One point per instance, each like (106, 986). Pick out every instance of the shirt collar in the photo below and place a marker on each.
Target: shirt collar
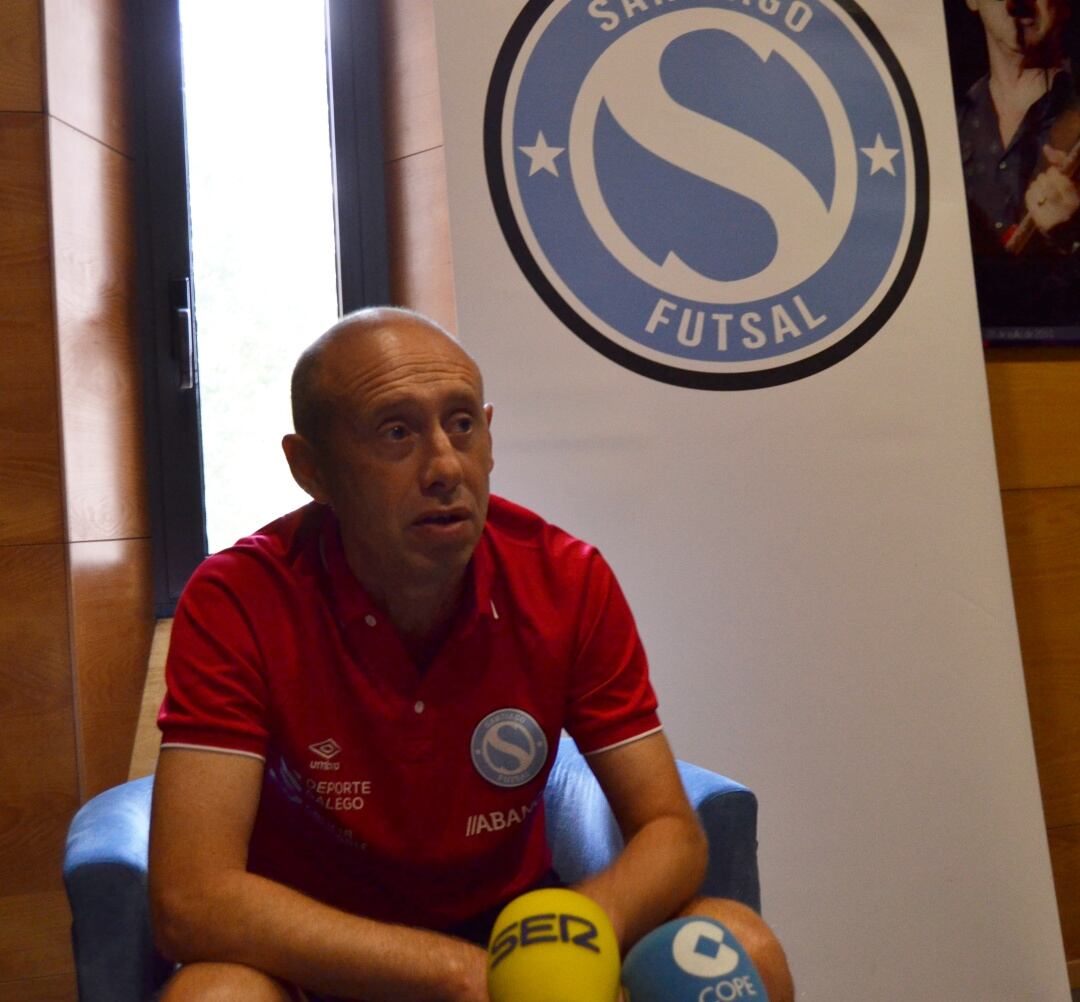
(350, 599)
(1061, 88)
(978, 92)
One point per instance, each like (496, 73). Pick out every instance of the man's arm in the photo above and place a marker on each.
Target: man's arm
(207, 907)
(663, 862)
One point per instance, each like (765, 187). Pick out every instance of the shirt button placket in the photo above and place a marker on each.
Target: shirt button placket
(419, 729)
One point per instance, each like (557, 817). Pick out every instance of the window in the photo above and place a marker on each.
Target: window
(259, 164)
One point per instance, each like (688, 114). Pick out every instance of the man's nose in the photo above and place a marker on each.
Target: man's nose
(442, 467)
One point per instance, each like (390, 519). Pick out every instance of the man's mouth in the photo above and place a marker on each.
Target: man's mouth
(448, 516)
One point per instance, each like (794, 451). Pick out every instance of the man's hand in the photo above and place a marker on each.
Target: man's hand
(473, 982)
(1052, 198)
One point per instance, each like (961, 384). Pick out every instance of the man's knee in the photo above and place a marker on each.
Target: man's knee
(225, 983)
(755, 937)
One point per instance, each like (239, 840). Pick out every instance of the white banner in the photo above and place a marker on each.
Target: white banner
(713, 260)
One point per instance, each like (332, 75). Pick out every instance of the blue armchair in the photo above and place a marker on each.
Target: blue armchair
(105, 864)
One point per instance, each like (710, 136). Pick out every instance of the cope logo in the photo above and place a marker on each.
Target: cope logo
(699, 949)
(721, 194)
(508, 747)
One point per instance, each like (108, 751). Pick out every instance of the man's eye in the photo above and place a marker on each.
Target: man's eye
(396, 432)
(463, 423)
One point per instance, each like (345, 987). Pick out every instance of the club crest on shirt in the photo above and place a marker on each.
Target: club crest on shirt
(508, 747)
(715, 194)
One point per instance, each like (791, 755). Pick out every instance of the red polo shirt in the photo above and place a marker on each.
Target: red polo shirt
(405, 796)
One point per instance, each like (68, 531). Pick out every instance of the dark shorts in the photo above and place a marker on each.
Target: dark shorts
(476, 929)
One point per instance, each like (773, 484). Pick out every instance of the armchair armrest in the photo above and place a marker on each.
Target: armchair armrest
(105, 876)
(728, 812)
(584, 837)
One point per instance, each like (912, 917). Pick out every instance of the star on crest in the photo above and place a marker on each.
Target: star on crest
(881, 156)
(542, 156)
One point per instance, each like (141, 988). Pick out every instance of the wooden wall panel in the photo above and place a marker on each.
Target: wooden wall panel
(30, 507)
(412, 116)
(35, 943)
(101, 402)
(1035, 403)
(57, 988)
(1043, 533)
(40, 789)
(86, 67)
(1065, 859)
(416, 204)
(85, 276)
(419, 228)
(39, 799)
(112, 612)
(20, 55)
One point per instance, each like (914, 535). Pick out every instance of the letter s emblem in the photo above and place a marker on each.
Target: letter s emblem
(638, 101)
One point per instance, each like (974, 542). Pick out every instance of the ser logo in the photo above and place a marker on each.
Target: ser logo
(546, 928)
(722, 194)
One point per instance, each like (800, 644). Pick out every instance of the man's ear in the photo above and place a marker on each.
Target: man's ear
(489, 412)
(972, 5)
(305, 467)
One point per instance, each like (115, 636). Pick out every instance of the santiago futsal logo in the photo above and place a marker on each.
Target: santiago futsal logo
(721, 194)
(508, 747)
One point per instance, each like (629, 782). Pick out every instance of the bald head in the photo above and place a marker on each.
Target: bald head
(318, 383)
(392, 432)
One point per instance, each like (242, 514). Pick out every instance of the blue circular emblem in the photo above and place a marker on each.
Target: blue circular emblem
(508, 747)
(713, 194)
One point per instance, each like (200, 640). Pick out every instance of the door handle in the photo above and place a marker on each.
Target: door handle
(183, 331)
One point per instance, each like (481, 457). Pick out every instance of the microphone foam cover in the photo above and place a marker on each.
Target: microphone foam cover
(691, 959)
(553, 945)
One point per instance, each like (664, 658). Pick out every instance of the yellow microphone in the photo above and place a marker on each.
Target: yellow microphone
(553, 945)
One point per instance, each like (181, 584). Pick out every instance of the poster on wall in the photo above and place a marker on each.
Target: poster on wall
(712, 257)
(1018, 114)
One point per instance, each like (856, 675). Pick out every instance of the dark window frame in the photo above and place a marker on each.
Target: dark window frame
(173, 451)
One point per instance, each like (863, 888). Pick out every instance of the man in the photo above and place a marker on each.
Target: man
(1017, 124)
(348, 687)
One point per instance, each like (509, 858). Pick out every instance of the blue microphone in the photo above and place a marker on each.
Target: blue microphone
(691, 959)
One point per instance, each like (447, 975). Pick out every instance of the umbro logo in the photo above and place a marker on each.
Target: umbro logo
(327, 750)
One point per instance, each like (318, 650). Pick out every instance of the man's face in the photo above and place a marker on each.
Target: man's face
(1038, 21)
(408, 454)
